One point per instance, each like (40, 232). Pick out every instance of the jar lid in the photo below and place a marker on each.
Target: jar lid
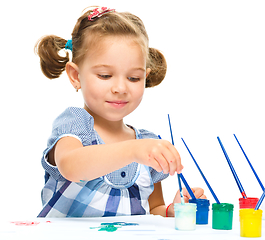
(187, 207)
(200, 202)
(223, 206)
(248, 202)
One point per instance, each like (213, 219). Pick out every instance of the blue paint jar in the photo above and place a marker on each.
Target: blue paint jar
(202, 212)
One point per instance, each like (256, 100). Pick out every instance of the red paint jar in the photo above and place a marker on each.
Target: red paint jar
(247, 202)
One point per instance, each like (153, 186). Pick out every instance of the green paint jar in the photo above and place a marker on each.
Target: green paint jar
(222, 216)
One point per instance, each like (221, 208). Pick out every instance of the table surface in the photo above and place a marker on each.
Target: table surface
(149, 227)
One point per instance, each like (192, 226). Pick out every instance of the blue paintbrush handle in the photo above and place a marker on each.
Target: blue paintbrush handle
(207, 183)
(241, 189)
(253, 170)
(170, 130)
(260, 201)
(187, 186)
(180, 190)
(180, 187)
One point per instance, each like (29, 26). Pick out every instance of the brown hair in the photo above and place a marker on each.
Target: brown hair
(86, 35)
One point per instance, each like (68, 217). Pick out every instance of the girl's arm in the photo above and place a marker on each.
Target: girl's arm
(156, 201)
(76, 162)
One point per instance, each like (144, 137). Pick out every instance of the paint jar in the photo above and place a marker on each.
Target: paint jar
(262, 207)
(248, 202)
(222, 216)
(185, 216)
(250, 222)
(202, 212)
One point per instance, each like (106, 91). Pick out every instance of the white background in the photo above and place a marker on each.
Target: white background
(214, 87)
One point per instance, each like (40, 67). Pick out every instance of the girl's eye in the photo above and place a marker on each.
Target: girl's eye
(133, 79)
(104, 76)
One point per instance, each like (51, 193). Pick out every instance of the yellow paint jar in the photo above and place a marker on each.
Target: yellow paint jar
(250, 222)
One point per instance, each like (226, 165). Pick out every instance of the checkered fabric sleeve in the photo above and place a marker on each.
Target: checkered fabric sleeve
(74, 122)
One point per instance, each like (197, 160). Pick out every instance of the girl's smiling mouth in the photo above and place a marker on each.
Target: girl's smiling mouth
(117, 104)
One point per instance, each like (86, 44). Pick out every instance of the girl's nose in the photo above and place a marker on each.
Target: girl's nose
(119, 86)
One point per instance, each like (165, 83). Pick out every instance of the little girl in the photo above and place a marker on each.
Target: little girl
(95, 165)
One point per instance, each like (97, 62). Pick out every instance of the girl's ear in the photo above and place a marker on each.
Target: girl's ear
(72, 71)
(148, 70)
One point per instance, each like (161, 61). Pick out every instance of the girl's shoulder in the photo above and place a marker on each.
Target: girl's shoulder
(147, 134)
(71, 114)
(76, 122)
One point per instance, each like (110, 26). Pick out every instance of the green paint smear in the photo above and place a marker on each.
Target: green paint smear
(108, 228)
(121, 224)
(112, 227)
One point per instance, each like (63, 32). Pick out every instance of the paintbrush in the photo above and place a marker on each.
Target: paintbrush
(180, 191)
(187, 186)
(260, 201)
(179, 181)
(204, 178)
(256, 175)
(241, 189)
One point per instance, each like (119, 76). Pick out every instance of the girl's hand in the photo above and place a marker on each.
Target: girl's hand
(158, 154)
(198, 192)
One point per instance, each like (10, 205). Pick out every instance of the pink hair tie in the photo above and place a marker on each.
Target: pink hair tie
(98, 12)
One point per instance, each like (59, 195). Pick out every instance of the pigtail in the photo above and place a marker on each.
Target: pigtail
(158, 65)
(52, 63)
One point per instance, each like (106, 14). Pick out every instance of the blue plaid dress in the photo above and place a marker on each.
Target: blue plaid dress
(122, 192)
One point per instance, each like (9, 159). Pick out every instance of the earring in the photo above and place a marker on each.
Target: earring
(76, 88)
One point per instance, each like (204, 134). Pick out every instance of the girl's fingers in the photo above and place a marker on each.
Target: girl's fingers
(198, 192)
(169, 163)
(177, 198)
(155, 164)
(161, 160)
(158, 155)
(172, 158)
(163, 156)
(176, 160)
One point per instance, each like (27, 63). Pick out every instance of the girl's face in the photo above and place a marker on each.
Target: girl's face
(112, 78)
